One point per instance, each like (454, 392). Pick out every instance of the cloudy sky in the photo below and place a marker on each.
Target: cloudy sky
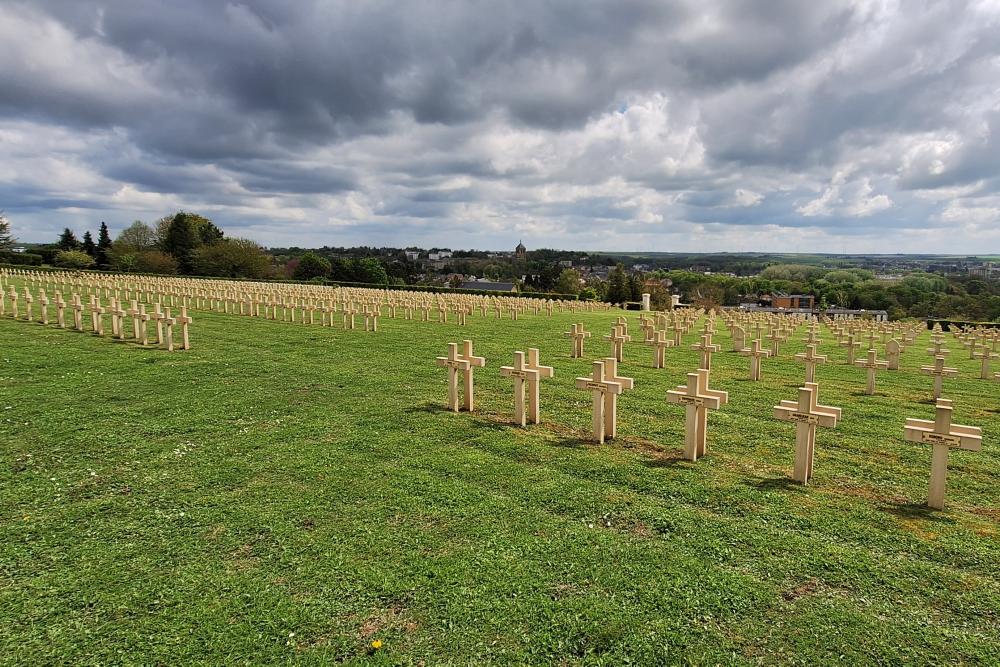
(696, 125)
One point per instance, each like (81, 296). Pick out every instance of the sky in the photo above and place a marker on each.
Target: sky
(701, 125)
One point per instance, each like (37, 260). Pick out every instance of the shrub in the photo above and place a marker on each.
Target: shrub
(74, 259)
(155, 261)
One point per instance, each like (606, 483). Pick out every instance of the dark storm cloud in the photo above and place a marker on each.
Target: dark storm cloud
(554, 116)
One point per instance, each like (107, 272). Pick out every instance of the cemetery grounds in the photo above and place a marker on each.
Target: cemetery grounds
(291, 493)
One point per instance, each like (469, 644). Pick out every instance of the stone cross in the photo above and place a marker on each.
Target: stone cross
(526, 374)
(938, 349)
(707, 348)
(454, 363)
(467, 379)
(534, 409)
(348, 316)
(371, 319)
(28, 305)
(60, 310)
(810, 359)
(13, 302)
(985, 355)
(97, 314)
(603, 391)
(618, 338)
(776, 340)
(77, 312)
(118, 318)
(939, 371)
(807, 415)
(892, 352)
(43, 303)
(577, 334)
(142, 333)
(755, 352)
(611, 373)
(184, 320)
(698, 399)
(678, 330)
(158, 317)
(872, 363)
(660, 343)
(133, 312)
(942, 435)
(168, 324)
(852, 347)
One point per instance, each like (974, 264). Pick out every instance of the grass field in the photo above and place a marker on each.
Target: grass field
(286, 493)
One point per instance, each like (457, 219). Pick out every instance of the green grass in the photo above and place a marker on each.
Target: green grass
(287, 493)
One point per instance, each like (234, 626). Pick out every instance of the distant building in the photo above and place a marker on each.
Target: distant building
(412, 255)
(488, 286)
(987, 271)
(520, 251)
(435, 256)
(19, 249)
(793, 301)
(566, 263)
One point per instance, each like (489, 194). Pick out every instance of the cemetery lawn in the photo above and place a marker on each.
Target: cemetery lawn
(289, 493)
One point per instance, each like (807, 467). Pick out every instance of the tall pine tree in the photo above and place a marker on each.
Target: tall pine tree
(103, 255)
(68, 240)
(88, 245)
(181, 240)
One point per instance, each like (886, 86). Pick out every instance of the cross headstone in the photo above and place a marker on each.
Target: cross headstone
(454, 362)
(601, 389)
(467, 379)
(577, 334)
(184, 320)
(698, 399)
(810, 359)
(707, 348)
(942, 435)
(660, 343)
(872, 364)
(168, 325)
(755, 352)
(611, 411)
(807, 415)
(985, 356)
(939, 371)
(852, 347)
(43, 303)
(618, 338)
(534, 407)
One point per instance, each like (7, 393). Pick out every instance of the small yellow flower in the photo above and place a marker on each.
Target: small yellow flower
(377, 644)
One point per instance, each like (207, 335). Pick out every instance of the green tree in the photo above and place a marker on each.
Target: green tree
(137, 236)
(103, 256)
(6, 237)
(618, 290)
(74, 259)
(370, 270)
(181, 240)
(68, 240)
(311, 266)
(232, 258)
(88, 245)
(568, 282)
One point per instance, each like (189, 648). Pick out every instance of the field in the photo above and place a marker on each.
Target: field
(287, 493)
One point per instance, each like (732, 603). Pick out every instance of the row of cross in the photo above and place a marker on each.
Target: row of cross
(116, 309)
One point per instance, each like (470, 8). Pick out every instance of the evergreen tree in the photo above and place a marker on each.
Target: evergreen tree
(6, 238)
(68, 240)
(181, 241)
(103, 247)
(618, 288)
(88, 245)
